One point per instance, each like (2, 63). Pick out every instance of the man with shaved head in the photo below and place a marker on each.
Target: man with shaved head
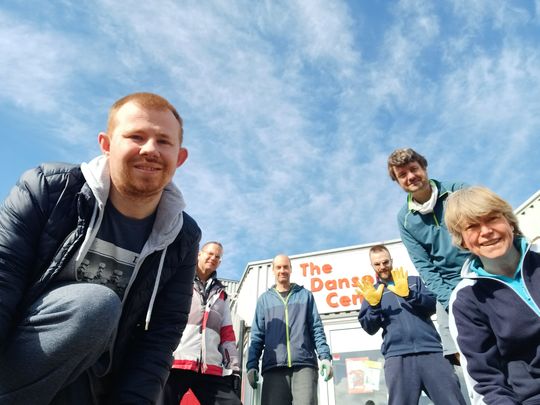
(288, 328)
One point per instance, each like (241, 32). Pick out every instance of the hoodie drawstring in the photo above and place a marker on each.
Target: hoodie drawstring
(154, 292)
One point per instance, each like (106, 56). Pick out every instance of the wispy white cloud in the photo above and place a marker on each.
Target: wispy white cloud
(291, 108)
(35, 65)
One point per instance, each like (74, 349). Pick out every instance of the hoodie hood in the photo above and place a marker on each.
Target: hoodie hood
(169, 218)
(97, 176)
(294, 287)
(167, 225)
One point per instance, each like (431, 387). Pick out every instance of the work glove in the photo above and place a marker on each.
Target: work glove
(401, 282)
(371, 295)
(253, 378)
(326, 369)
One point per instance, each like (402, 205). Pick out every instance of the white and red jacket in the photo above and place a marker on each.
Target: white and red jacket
(208, 344)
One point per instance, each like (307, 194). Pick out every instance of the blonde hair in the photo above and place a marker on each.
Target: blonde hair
(468, 205)
(401, 157)
(150, 101)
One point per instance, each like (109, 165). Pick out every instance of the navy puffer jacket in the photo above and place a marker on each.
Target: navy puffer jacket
(42, 224)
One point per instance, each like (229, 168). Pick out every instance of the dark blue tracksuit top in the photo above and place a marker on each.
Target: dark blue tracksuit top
(406, 322)
(497, 331)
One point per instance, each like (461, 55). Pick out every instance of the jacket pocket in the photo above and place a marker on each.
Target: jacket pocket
(524, 380)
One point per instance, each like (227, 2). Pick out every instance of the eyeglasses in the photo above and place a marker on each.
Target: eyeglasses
(384, 263)
(212, 255)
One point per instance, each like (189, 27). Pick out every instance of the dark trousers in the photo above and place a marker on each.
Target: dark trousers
(290, 386)
(406, 377)
(209, 389)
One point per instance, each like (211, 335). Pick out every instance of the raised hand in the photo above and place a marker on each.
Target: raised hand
(401, 282)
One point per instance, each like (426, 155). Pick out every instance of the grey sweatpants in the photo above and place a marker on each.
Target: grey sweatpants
(449, 347)
(62, 335)
(290, 386)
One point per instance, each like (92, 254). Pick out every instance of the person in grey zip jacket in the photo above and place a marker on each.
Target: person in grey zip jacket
(287, 326)
(85, 317)
(495, 309)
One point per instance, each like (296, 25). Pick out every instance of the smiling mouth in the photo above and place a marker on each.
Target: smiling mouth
(147, 168)
(491, 242)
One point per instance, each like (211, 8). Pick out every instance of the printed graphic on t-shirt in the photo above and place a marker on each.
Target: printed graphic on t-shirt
(108, 265)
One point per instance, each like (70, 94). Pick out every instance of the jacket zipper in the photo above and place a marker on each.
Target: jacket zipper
(285, 302)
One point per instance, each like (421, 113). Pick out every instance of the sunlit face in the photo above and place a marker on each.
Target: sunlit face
(209, 258)
(382, 264)
(489, 237)
(144, 150)
(282, 269)
(412, 177)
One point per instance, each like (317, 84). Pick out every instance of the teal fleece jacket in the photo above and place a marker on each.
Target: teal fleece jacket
(430, 245)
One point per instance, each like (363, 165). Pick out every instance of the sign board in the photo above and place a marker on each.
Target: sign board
(332, 277)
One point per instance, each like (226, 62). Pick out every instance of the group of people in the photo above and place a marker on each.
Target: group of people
(106, 298)
(467, 247)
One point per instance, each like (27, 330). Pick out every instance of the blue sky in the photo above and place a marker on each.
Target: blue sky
(291, 108)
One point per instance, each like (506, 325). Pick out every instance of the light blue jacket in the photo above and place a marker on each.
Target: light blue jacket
(289, 330)
(430, 245)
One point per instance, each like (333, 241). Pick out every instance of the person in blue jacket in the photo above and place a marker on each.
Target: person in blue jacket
(401, 306)
(495, 309)
(424, 233)
(287, 326)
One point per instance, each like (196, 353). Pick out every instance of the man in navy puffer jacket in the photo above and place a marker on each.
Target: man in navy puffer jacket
(96, 267)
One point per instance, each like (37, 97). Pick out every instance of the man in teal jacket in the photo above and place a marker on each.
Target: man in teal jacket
(287, 326)
(424, 233)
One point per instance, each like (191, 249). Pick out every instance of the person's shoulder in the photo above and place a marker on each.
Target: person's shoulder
(463, 295)
(51, 170)
(449, 186)
(190, 225)
(300, 289)
(52, 178)
(403, 210)
(262, 300)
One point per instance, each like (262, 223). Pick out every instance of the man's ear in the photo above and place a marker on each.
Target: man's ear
(182, 156)
(104, 143)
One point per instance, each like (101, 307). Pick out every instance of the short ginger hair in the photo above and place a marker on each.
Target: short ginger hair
(149, 101)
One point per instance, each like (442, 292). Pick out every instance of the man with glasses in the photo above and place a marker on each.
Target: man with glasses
(207, 358)
(402, 306)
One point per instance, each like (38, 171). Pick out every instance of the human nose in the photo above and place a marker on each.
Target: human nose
(410, 175)
(485, 229)
(149, 147)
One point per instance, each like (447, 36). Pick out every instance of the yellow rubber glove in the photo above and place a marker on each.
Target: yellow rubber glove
(371, 295)
(401, 282)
